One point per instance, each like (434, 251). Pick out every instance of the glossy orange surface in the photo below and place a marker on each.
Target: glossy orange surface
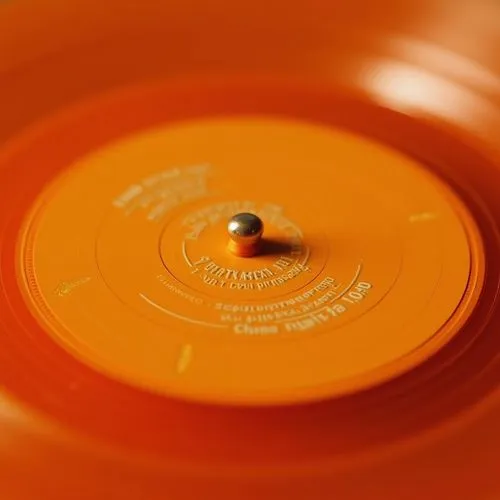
(373, 269)
(385, 86)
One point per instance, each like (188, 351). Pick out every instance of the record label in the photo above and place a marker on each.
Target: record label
(367, 267)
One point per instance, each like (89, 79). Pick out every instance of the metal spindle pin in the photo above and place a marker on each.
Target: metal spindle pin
(245, 233)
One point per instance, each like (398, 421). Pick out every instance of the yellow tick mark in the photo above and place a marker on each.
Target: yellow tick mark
(185, 358)
(422, 217)
(66, 287)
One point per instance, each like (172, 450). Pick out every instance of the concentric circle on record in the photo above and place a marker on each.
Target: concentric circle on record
(370, 266)
(372, 283)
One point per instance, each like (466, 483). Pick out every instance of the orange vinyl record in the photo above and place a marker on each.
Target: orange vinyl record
(249, 250)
